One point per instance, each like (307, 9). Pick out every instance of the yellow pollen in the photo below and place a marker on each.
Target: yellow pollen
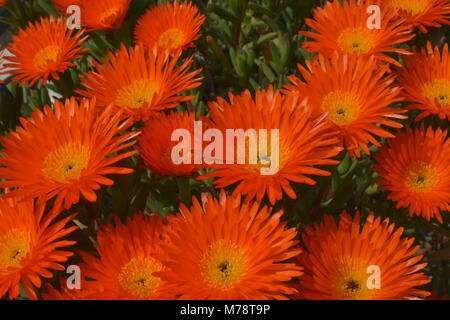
(109, 16)
(45, 56)
(350, 279)
(137, 278)
(172, 38)
(356, 40)
(136, 94)
(342, 107)
(421, 177)
(14, 247)
(438, 90)
(223, 264)
(412, 7)
(66, 163)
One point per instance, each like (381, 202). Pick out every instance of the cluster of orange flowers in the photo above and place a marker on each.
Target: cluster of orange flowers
(227, 248)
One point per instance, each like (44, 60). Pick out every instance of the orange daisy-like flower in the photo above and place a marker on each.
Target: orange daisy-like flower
(62, 152)
(103, 14)
(350, 33)
(355, 93)
(350, 262)
(170, 26)
(29, 246)
(44, 49)
(415, 168)
(157, 145)
(140, 81)
(422, 13)
(292, 141)
(228, 250)
(425, 79)
(128, 273)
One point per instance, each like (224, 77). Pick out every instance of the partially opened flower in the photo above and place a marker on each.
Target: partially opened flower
(140, 81)
(128, 273)
(415, 168)
(422, 13)
(425, 79)
(355, 93)
(156, 144)
(278, 142)
(345, 261)
(170, 26)
(43, 50)
(229, 250)
(103, 14)
(64, 152)
(30, 246)
(350, 33)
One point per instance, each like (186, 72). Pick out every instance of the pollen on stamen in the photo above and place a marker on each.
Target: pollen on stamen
(136, 94)
(356, 40)
(14, 247)
(421, 177)
(342, 107)
(172, 38)
(45, 56)
(223, 264)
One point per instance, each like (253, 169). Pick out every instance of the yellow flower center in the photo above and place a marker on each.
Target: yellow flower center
(350, 280)
(45, 56)
(172, 38)
(412, 7)
(356, 40)
(109, 16)
(342, 107)
(66, 163)
(14, 247)
(421, 177)
(137, 278)
(223, 264)
(438, 90)
(137, 94)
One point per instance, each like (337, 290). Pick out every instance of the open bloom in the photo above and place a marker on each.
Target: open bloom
(62, 152)
(140, 81)
(350, 262)
(415, 168)
(280, 134)
(354, 93)
(30, 246)
(42, 50)
(421, 13)
(229, 250)
(425, 79)
(350, 33)
(156, 145)
(170, 26)
(128, 273)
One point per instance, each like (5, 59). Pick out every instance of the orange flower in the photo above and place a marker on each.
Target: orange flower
(156, 143)
(3, 2)
(355, 94)
(140, 81)
(350, 262)
(350, 33)
(103, 14)
(170, 26)
(422, 13)
(425, 79)
(67, 294)
(62, 152)
(415, 168)
(29, 246)
(42, 50)
(128, 273)
(303, 141)
(228, 250)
